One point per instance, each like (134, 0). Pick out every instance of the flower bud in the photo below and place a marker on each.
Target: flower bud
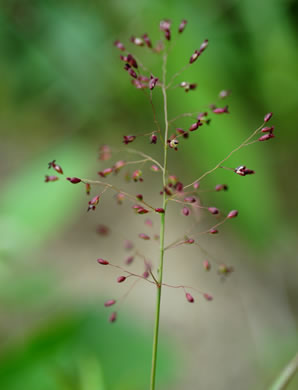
(141, 210)
(243, 171)
(196, 185)
(113, 317)
(268, 117)
(189, 241)
(194, 126)
(102, 262)
(213, 210)
(146, 274)
(265, 137)
(213, 231)
(189, 297)
(182, 26)
(232, 214)
(74, 180)
(160, 210)
(206, 265)
(139, 196)
(119, 45)
(110, 302)
(50, 178)
(121, 279)
(103, 230)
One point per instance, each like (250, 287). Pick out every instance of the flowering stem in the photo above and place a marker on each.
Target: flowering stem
(162, 234)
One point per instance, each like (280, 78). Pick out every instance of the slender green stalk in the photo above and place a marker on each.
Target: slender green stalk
(162, 235)
(286, 375)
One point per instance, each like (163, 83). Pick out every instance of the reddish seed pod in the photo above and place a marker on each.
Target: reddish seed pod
(190, 199)
(149, 222)
(153, 139)
(196, 185)
(223, 94)
(121, 279)
(221, 187)
(185, 211)
(268, 117)
(144, 236)
(267, 129)
(132, 73)
(58, 169)
(160, 210)
(118, 165)
(103, 230)
(232, 214)
(194, 126)
(213, 231)
(152, 82)
(88, 188)
(189, 297)
(50, 178)
(155, 168)
(213, 210)
(74, 180)
(119, 45)
(194, 57)
(137, 175)
(204, 45)
(190, 241)
(128, 139)
(132, 61)
(243, 171)
(110, 302)
(223, 110)
(147, 40)
(129, 260)
(265, 137)
(141, 210)
(208, 297)
(206, 265)
(146, 274)
(139, 197)
(105, 172)
(113, 317)
(182, 26)
(137, 41)
(102, 262)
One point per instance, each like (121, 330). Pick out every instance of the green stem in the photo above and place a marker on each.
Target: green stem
(286, 375)
(162, 235)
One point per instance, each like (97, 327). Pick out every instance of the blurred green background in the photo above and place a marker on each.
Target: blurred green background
(64, 93)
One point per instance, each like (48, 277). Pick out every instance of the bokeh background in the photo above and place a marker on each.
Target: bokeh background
(63, 94)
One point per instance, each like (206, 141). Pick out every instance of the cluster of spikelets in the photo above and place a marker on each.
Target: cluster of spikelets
(186, 195)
